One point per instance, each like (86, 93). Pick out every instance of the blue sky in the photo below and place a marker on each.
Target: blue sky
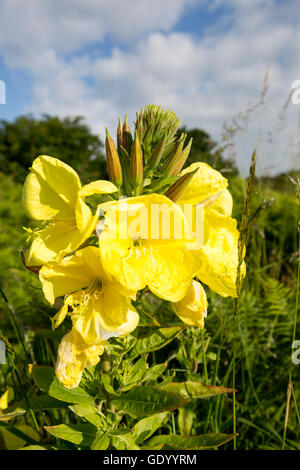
(206, 60)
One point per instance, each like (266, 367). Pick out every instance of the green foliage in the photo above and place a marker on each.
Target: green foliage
(68, 139)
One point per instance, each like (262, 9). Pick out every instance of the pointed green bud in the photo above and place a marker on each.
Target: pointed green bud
(157, 154)
(176, 189)
(136, 162)
(127, 138)
(182, 159)
(148, 135)
(172, 161)
(120, 135)
(113, 162)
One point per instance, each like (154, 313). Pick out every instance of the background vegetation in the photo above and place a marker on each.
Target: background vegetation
(261, 335)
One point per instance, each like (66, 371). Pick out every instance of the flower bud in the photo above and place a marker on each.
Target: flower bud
(172, 162)
(136, 162)
(120, 135)
(174, 192)
(192, 309)
(113, 162)
(127, 138)
(182, 159)
(157, 154)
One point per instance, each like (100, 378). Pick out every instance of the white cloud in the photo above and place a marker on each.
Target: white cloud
(204, 79)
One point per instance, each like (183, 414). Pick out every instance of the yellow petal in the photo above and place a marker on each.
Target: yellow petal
(98, 187)
(73, 356)
(168, 273)
(50, 189)
(218, 258)
(192, 308)
(205, 183)
(138, 241)
(4, 401)
(55, 241)
(71, 274)
(84, 216)
(103, 315)
(123, 261)
(68, 368)
(221, 204)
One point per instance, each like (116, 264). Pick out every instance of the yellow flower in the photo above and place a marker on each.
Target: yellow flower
(74, 355)
(141, 248)
(53, 194)
(99, 307)
(192, 309)
(218, 257)
(4, 400)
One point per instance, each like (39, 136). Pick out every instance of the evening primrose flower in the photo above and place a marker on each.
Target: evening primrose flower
(74, 355)
(192, 309)
(218, 257)
(53, 194)
(99, 307)
(143, 243)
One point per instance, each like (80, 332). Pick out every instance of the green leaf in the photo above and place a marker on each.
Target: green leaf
(143, 401)
(42, 402)
(79, 434)
(44, 378)
(101, 442)
(186, 418)
(147, 426)
(88, 412)
(106, 381)
(155, 340)
(17, 436)
(124, 442)
(133, 374)
(204, 441)
(191, 389)
(12, 414)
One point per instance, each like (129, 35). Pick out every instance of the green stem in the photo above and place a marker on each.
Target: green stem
(290, 381)
(204, 357)
(15, 325)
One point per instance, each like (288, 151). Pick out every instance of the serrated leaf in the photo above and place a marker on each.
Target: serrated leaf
(124, 442)
(147, 426)
(79, 434)
(155, 340)
(143, 401)
(204, 441)
(194, 390)
(44, 378)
